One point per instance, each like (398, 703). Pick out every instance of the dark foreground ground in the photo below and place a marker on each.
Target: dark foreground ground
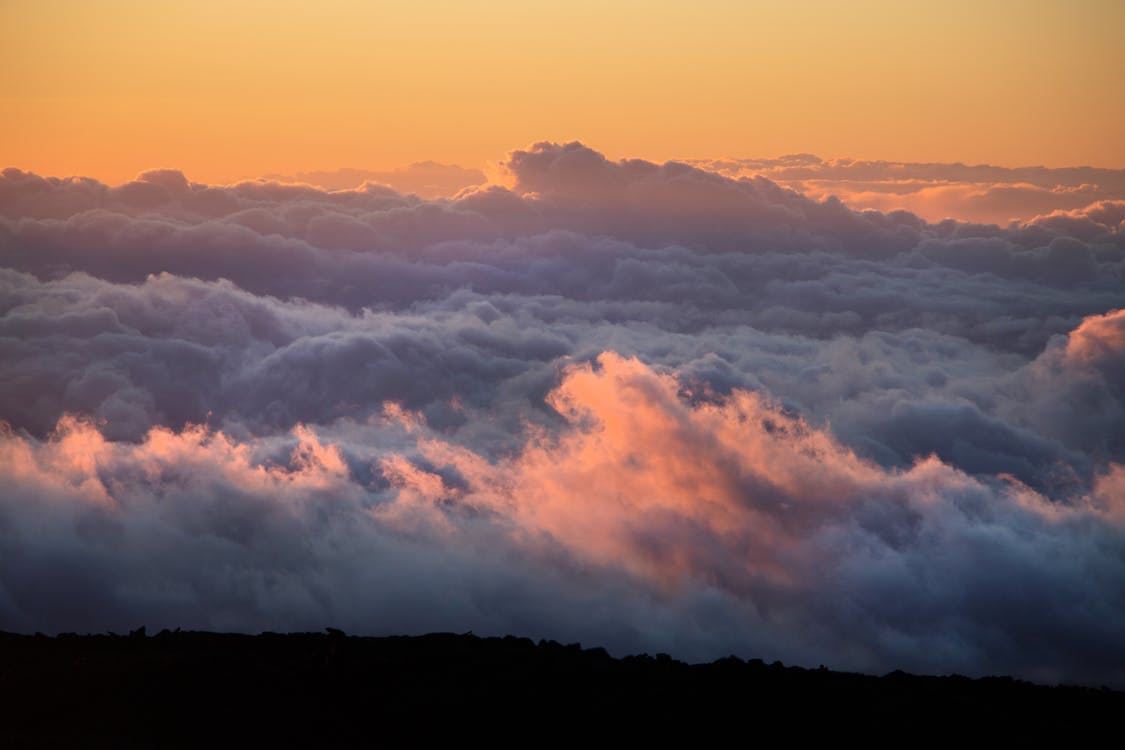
(190, 689)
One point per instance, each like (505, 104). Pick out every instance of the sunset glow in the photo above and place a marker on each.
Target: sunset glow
(231, 90)
(785, 330)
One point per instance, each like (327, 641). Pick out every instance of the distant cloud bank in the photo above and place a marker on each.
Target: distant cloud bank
(426, 179)
(933, 191)
(676, 407)
(977, 193)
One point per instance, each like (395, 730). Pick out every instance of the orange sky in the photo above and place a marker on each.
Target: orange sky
(232, 89)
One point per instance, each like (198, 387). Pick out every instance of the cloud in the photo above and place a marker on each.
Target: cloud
(977, 193)
(649, 492)
(425, 179)
(645, 405)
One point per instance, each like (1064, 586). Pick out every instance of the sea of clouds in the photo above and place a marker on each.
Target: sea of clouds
(653, 407)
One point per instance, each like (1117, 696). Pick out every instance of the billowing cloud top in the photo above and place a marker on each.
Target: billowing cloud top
(645, 405)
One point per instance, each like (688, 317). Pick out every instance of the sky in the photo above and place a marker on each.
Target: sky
(790, 334)
(227, 90)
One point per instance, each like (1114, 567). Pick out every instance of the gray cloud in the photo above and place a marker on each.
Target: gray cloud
(286, 317)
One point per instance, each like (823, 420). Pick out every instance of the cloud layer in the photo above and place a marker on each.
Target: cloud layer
(426, 179)
(644, 405)
(979, 193)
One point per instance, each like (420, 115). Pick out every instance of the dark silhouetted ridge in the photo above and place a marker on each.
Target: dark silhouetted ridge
(208, 689)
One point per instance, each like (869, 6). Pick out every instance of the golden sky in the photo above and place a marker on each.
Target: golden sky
(228, 89)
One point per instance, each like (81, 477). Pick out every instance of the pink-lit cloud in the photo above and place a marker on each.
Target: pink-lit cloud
(652, 406)
(651, 491)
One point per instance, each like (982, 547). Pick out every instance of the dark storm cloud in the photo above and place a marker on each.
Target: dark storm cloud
(716, 413)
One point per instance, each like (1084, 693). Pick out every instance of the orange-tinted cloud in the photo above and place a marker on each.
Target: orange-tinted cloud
(425, 179)
(934, 191)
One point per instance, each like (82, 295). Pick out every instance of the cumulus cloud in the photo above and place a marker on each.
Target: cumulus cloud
(705, 508)
(653, 406)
